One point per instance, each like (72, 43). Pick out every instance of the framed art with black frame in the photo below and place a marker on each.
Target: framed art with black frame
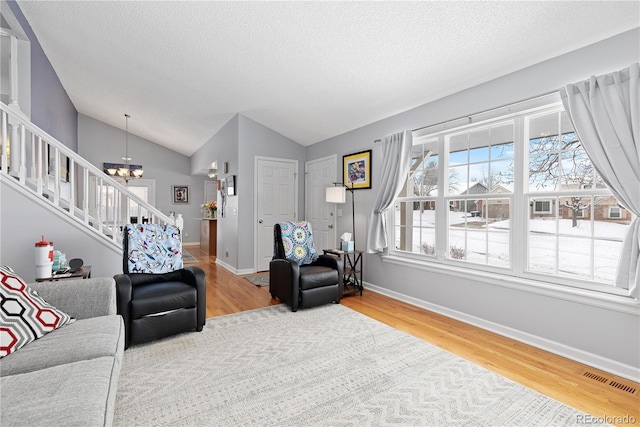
(356, 170)
(180, 194)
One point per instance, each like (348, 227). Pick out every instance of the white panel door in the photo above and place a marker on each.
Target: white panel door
(320, 174)
(275, 202)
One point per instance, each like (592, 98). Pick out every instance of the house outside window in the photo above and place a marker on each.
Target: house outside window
(542, 207)
(514, 195)
(615, 212)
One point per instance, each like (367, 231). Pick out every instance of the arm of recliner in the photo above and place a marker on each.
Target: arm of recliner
(284, 281)
(330, 261)
(196, 277)
(123, 298)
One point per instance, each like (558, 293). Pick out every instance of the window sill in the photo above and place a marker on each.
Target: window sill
(617, 303)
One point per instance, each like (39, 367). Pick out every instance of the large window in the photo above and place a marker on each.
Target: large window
(516, 195)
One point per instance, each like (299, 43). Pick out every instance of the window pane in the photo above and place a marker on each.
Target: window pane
(415, 226)
(425, 182)
(543, 231)
(542, 252)
(479, 141)
(501, 177)
(574, 257)
(541, 178)
(458, 179)
(502, 141)
(404, 224)
(606, 257)
(478, 179)
(458, 146)
(498, 233)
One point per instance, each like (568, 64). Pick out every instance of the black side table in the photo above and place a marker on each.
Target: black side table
(83, 272)
(352, 275)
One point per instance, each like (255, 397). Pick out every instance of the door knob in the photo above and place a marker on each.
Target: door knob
(330, 225)
(260, 221)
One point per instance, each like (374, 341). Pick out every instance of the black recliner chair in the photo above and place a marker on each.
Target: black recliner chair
(157, 305)
(303, 285)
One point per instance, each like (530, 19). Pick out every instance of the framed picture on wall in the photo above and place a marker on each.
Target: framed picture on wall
(356, 170)
(180, 194)
(231, 185)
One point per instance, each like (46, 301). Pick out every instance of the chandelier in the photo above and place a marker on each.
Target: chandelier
(125, 170)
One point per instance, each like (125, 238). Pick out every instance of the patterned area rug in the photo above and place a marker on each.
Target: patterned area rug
(323, 366)
(261, 279)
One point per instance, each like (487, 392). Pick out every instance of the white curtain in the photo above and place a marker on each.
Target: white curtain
(605, 112)
(396, 156)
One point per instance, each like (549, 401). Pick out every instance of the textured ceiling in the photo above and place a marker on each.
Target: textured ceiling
(308, 70)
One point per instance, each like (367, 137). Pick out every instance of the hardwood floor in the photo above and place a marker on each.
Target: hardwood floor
(612, 399)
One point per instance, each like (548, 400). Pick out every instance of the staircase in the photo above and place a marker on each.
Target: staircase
(48, 172)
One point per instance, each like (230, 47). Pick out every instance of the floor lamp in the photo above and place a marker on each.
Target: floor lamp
(338, 194)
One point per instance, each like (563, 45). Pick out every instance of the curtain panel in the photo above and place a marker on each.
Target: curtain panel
(396, 156)
(605, 112)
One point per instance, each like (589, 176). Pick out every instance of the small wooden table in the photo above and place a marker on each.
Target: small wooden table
(83, 272)
(352, 275)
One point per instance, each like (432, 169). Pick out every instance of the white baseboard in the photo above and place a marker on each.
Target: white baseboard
(590, 359)
(233, 269)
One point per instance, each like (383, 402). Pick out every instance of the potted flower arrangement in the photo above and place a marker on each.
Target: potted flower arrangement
(211, 208)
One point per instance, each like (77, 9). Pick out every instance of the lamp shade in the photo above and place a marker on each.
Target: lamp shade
(336, 195)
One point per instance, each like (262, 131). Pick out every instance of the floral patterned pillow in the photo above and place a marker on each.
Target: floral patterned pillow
(297, 239)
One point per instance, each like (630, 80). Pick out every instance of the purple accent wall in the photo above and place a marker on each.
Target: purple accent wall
(51, 107)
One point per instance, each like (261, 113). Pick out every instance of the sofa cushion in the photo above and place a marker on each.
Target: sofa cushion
(85, 339)
(24, 315)
(73, 394)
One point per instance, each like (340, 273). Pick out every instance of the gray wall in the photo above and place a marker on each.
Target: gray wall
(223, 147)
(601, 335)
(258, 140)
(51, 107)
(238, 143)
(99, 142)
(24, 221)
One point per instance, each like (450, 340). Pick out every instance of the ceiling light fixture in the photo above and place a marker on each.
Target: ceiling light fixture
(125, 171)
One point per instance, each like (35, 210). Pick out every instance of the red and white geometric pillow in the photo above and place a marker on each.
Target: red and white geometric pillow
(24, 315)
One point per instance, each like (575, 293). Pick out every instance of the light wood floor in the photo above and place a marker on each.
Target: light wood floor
(590, 390)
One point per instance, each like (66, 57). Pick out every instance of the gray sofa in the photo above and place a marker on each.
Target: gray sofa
(69, 376)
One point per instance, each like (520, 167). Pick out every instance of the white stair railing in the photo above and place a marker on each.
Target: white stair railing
(34, 161)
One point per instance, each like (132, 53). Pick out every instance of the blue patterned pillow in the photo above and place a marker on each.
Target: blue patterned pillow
(297, 240)
(153, 248)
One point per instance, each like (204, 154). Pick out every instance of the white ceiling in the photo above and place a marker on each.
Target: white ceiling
(308, 70)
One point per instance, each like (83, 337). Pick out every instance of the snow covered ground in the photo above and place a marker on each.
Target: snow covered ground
(588, 251)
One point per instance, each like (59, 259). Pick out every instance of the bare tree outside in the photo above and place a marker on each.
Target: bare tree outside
(560, 163)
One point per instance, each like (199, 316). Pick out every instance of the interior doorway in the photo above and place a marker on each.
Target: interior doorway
(276, 199)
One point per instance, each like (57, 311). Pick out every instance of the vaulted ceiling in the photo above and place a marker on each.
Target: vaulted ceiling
(308, 70)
